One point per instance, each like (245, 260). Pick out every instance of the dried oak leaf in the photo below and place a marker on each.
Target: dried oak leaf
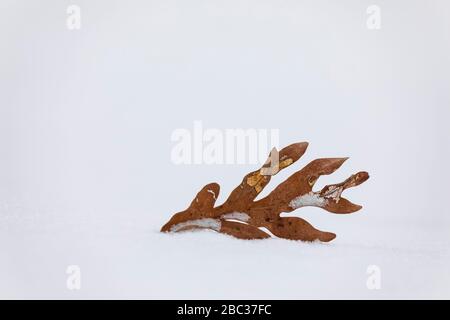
(242, 217)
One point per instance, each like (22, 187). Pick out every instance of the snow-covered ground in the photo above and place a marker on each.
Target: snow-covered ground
(126, 257)
(88, 116)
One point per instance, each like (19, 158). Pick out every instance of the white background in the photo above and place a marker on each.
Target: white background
(85, 124)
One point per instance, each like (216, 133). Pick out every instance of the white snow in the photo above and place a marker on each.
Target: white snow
(213, 224)
(240, 216)
(86, 125)
(308, 199)
(125, 256)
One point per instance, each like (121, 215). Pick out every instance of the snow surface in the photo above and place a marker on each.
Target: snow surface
(126, 257)
(87, 116)
(309, 199)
